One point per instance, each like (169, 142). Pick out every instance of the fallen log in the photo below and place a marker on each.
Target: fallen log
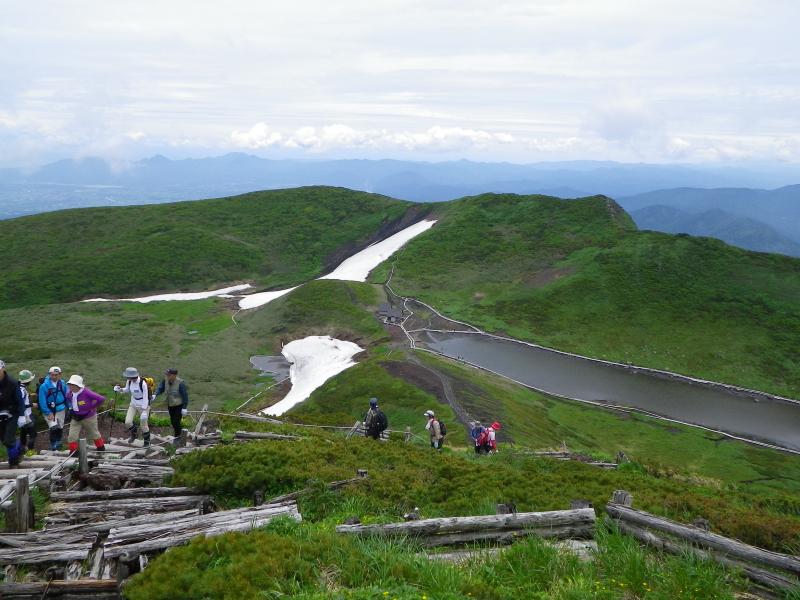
(508, 522)
(258, 419)
(80, 512)
(257, 435)
(334, 485)
(732, 548)
(37, 555)
(92, 495)
(660, 542)
(94, 589)
(104, 527)
(565, 532)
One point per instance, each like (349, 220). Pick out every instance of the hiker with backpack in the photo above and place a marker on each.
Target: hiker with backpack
(436, 429)
(177, 398)
(487, 441)
(11, 415)
(84, 404)
(53, 404)
(139, 389)
(27, 431)
(375, 422)
(475, 432)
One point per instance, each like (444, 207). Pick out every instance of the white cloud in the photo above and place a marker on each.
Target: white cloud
(258, 136)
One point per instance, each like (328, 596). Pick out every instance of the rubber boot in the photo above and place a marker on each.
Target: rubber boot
(100, 445)
(132, 430)
(72, 447)
(13, 455)
(146, 438)
(53, 438)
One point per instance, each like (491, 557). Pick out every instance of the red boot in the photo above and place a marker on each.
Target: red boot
(99, 444)
(73, 447)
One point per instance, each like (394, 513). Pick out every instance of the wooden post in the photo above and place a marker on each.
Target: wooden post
(83, 457)
(622, 497)
(408, 434)
(506, 509)
(23, 505)
(258, 497)
(580, 504)
(362, 473)
(201, 419)
(183, 439)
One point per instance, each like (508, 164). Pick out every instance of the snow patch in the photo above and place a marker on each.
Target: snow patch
(176, 296)
(262, 298)
(358, 266)
(314, 360)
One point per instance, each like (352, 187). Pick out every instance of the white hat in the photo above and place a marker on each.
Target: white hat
(76, 380)
(2, 365)
(429, 413)
(55, 370)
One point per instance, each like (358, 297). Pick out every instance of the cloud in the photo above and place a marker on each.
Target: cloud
(338, 137)
(258, 136)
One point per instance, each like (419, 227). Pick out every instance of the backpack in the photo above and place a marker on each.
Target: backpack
(381, 421)
(442, 428)
(151, 386)
(476, 432)
(483, 438)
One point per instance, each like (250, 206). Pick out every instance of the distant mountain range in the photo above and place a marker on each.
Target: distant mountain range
(706, 200)
(735, 230)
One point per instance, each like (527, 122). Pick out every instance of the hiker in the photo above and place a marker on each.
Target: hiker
(475, 432)
(435, 430)
(137, 387)
(487, 441)
(177, 398)
(375, 422)
(53, 404)
(27, 432)
(84, 403)
(11, 412)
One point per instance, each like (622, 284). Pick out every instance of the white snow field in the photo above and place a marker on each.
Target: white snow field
(358, 266)
(314, 359)
(262, 298)
(355, 268)
(177, 296)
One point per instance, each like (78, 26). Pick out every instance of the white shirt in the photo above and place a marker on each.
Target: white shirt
(138, 391)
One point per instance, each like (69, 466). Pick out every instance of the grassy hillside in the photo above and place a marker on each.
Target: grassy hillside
(577, 276)
(309, 560)
(274, 238)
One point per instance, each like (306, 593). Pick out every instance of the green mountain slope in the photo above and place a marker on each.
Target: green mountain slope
(275, 238)
(578, 276)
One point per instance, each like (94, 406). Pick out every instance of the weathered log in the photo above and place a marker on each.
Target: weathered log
(563, 532)
(201, 420)
(83, 457)
(92, 495)
(137, 462)
(622, 498)
(603, 465)
(94, 589)
(334, 485)
(74, 570)
(39, 555)
(258, 419)
(258, 435)
(104, 481)
(78, 512)
(732, 548)
(461, 556)
(97, 564)
(190, 449)
(509, 522)
(208, 439)
(256, 517)
(661, 542)
(6, 491)
(102, 527)
(12, 474)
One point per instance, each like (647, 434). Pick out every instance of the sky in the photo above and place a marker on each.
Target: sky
(667, 81)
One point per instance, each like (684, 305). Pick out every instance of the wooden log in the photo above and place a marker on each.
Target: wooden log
(201, 419)
(622, 498)
(6, 491)
(713, 541)
(104, 481)
(661, 542)
(483, 523)
(81, 512)
(74, 570)
(181, 441)
(461, 556)
(208, 439)
(103, 527)
(10, 574)
(261, 435)
(100, 589)
(23, 505)
(334, 485)
(12, 474)
(97, 564)
(136, 462)
(93, 495)
(603, 465)
(83, 457)
(563, 532)
(117, 547)
(353, 429)
(190, 449)
(39, 555)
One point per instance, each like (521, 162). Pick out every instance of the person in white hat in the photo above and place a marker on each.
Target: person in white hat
(435, 430)
(53, 403)
(137, 387)
(27, 431)
(84, 403)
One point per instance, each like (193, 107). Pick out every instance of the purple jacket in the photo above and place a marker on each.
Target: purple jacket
(87, 401)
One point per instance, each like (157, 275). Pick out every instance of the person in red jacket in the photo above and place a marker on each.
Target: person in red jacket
(84, 403)
(487, 440)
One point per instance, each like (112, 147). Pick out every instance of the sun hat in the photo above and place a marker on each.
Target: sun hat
(54, 370)
(76, 380)
(26, 376)
(171, 371)
(373, 402)
(130, 372)
(496, 426)
(429, 413)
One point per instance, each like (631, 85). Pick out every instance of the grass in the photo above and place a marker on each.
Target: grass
(308, 560)
(275, 238)
(577, 276)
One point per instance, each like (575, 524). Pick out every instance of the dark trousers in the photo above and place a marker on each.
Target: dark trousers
(27, 435)
(175, 418)
(8, 431)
